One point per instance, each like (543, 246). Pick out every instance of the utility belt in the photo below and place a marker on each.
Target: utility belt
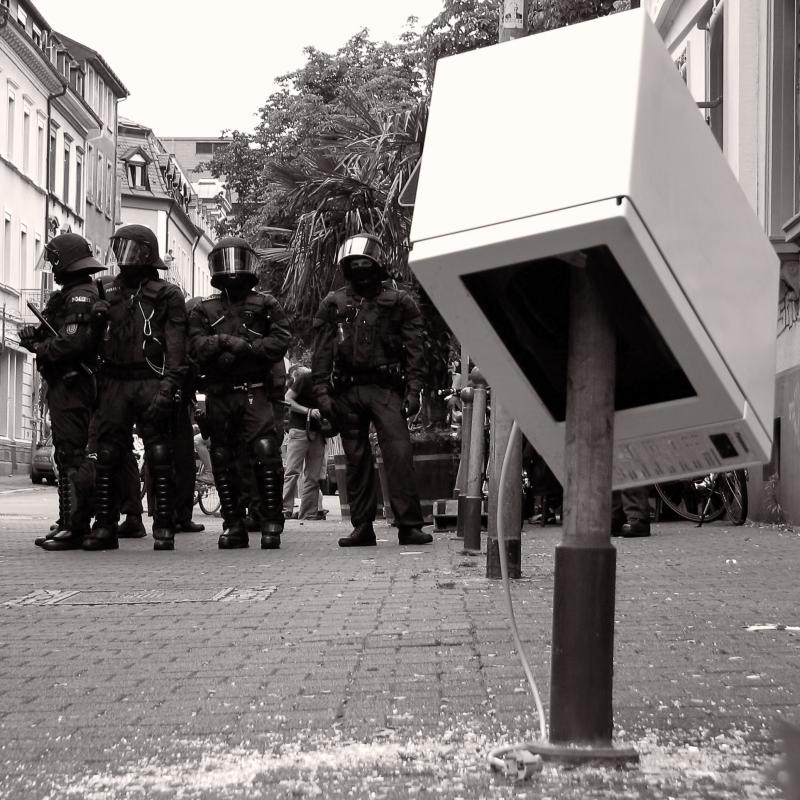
(128, 372)
(390, 376)
(221, 388)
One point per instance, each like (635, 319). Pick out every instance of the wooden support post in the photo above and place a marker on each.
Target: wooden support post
(585, 564)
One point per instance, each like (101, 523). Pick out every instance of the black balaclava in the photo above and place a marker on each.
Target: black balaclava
(132, 275)
(235, 287)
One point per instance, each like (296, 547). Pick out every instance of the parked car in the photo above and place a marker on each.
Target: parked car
(43, 464)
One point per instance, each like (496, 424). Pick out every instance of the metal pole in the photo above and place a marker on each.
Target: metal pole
(500, 432)
(473, 496)
(585, 564)
(513, 25)
(467, 396)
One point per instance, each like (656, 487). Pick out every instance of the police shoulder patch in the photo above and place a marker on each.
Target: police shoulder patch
(71, 329)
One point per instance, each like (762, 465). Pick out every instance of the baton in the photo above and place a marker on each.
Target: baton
(49, 327)
(38, 315)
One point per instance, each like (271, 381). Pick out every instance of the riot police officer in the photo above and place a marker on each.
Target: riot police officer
(367, 367)
(144, 367)
(65, 355)
(236, 336)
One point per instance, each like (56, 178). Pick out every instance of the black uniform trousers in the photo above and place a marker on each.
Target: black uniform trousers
(70, 404)
(123, 404)
(236, 419)
(185, 469)
(127, 481)
(356, 408)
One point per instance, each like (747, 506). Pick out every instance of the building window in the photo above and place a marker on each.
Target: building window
(67, 157)
(26, 140)
(10, 127)
(22, 15)
(137, 172)
(22, 275)
(79, 182)
(90, 86)
(36, 35)
(51, 161)
(109, 110)
(99, 195)
(76, 79)
(39, 152)
(108, 188)
(203, 148)
(90, 174)
(6, 273)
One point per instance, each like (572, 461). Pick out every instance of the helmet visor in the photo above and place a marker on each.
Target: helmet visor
(361, 247)
(128, 253)
(233, 261)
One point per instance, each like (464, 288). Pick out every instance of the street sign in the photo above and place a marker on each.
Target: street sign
(620, 171)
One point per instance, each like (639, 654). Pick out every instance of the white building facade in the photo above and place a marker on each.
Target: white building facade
(740, 61)
(156, 192)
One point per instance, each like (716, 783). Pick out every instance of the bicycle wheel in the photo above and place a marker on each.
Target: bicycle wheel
(689, 499)
(734, 495)
(209, 500)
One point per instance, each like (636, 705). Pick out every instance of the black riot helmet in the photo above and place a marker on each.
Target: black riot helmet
(355, 253)
(70, 254)
(233, 258)
(134, 246)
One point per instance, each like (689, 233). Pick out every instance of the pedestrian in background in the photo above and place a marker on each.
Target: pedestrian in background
(630, 512)
(305, 448)
(367, 368)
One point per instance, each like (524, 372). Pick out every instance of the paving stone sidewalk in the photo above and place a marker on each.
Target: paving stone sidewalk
(314, 671)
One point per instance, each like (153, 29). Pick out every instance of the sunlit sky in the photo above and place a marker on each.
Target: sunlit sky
(193, 67)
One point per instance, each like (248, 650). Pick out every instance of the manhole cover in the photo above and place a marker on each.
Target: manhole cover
(52, 597)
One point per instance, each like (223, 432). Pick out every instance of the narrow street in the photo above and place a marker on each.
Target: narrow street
(382, 672)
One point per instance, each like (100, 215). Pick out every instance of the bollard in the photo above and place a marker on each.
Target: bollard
(512, 512)
(473, 492)
(467, 396)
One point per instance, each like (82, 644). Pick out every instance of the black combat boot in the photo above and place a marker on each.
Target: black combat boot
(163, 532)
(189, 526)
(132, 527)
(64, 505)
(269, 478)
(103, 535)
(69, 537)
(413, 536)
(234, 534)
(363, 535)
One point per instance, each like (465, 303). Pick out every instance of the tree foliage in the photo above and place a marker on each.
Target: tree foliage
(337, 141)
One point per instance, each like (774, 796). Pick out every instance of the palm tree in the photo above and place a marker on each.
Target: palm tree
(351, 184)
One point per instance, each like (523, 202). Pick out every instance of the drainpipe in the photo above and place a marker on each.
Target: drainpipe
(194, 250)
(50, 99)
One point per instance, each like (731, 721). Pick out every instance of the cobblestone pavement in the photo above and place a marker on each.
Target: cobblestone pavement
(314, 671)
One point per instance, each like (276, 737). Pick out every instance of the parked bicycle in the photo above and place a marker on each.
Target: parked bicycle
(707, 497)
(205, 492)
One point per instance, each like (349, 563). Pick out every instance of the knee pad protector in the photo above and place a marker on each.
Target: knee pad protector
(266, 451)
(107, 455)
(158, 454)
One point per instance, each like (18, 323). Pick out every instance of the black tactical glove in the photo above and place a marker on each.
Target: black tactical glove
(29, 337)
(234, 344)
(411, 404)
(326, 406)
(161, 404)
(225, 361)
(100, 311)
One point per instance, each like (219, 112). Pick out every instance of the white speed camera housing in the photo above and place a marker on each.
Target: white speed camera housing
(585, 140)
